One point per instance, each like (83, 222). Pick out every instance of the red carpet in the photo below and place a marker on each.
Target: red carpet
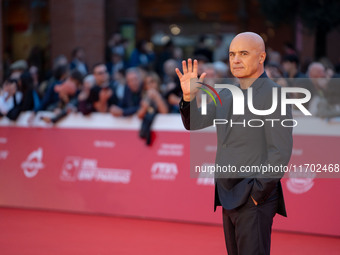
(28, 232)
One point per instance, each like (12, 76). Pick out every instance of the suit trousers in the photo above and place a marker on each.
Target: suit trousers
(247, 229)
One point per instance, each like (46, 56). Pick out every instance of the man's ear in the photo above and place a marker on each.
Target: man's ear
(262, 57)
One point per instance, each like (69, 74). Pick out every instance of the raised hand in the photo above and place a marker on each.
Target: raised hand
(189, 72)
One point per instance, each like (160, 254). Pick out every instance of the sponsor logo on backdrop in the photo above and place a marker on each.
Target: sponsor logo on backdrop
(300, 182)
(104, 144)
(206, 178)
(4, 154)
(70, 169)
(33, 164)
(211, 148)
(84, 169)
(3, 140)
(164, 171)
(297, 152)
(170, 149)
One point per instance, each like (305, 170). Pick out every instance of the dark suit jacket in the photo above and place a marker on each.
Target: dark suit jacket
(246, 146)
(130, 102)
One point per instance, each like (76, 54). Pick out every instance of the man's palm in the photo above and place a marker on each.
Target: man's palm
(189, 73)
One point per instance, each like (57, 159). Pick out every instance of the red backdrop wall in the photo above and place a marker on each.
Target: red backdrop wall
(109, 170)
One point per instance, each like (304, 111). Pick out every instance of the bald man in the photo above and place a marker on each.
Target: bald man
(249, 200)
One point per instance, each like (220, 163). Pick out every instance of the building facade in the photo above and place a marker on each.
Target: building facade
(54, 27)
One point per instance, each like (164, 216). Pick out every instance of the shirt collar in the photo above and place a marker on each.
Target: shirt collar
(259, 81)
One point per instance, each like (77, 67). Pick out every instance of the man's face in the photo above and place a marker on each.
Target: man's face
(200, 66)
(132, 81)
(287, 66)
(318, 75)
(317, 72)
(10, 87)
(105, 94)
(169, 68)
(211, 75)
(150, 83)
(67, 88)
(245, 59)
(117, 76)
(100, 74)
(81, 54)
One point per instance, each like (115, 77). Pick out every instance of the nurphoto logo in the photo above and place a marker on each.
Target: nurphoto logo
(238, 103)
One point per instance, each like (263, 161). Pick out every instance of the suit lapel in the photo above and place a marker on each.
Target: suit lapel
(229, 114)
